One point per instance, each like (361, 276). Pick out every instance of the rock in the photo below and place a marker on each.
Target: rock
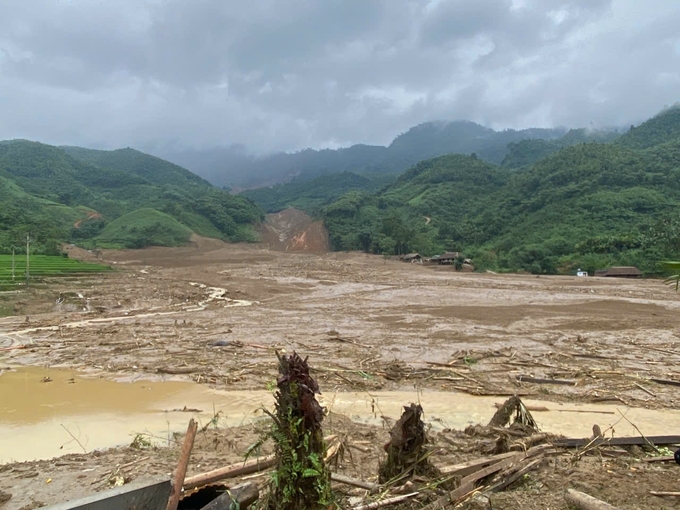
(226, 343)
(4, 497)
(478, 502)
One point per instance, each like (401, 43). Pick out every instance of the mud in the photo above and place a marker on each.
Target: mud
(371, 328)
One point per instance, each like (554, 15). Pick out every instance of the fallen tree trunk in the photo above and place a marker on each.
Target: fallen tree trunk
(583, 501)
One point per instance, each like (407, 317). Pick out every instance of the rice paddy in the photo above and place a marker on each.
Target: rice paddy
(13, 269)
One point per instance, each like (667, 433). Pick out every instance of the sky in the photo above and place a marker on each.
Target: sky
(288, 74)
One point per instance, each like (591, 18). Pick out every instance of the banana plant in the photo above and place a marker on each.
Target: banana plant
(673, 267)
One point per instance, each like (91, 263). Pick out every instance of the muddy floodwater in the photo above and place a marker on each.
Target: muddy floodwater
(40, 419)
(45, 412)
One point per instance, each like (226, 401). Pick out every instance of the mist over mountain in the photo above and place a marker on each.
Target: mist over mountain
(233, 167)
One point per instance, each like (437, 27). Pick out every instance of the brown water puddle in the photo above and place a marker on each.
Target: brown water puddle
(38, 419)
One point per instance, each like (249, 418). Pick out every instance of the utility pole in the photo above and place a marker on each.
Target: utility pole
(28, 256)
(12, 264)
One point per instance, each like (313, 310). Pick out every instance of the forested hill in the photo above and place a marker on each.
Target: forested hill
(56, 197)
(233, 167)
(312, 195)
(588, 205)
(131, 161)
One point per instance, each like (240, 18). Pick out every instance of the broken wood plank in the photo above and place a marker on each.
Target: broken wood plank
(181, 471)
(240, 496)
(663, 458)
(617, 441)
(451, 499)
(538, 380)
(515, 474)
(242, 468)
(583, 501)
(465, 468)
(493, 468)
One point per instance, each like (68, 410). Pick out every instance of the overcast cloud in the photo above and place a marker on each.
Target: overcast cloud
(287, 74)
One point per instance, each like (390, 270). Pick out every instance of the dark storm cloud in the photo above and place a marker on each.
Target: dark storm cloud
(285, 74)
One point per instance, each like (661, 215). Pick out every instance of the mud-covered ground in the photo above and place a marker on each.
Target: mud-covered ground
(216, 314)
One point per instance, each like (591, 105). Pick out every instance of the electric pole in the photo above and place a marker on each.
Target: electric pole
(12, 264)
(28, 256)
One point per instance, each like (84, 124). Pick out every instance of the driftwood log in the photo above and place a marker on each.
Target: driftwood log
(240, 469)
(583, 501)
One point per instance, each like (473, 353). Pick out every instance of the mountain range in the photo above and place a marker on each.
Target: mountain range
(552, 206)
(232, 166)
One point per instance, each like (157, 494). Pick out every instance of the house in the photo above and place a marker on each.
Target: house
(579, 272)
(414, 258)
(620, 272)
(447, 259)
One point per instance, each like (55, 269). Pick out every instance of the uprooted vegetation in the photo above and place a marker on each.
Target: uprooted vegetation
(301, 478)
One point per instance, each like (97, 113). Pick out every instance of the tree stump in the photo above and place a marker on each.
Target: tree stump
(406, 452)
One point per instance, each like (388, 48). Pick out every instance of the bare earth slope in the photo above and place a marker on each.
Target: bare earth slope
(294, 230)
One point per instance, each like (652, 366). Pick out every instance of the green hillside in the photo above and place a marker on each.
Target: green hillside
(663, 128)
(588, 205)
(528, 152)
(311, 196)
(144, 227)
(137, 163)
(56, 197)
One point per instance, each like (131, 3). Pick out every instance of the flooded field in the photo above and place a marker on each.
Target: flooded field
(193, 332)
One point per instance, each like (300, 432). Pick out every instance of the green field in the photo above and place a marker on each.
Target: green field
(41, 266)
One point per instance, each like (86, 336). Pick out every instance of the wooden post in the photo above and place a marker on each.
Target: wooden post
(181, 471)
